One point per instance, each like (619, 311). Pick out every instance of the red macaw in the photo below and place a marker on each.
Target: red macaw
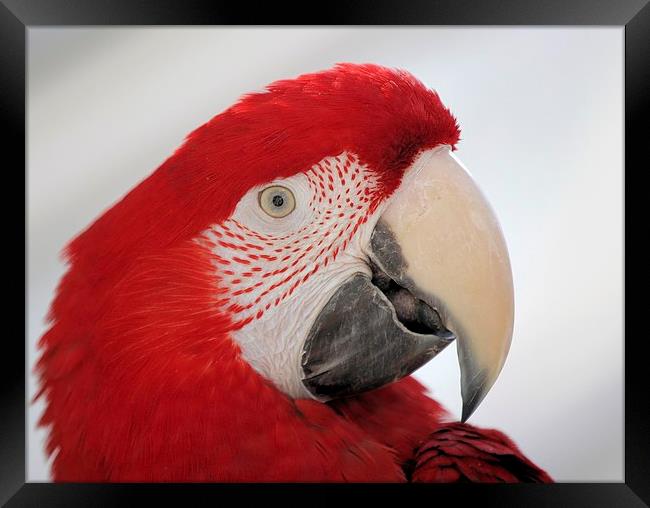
(253, 309)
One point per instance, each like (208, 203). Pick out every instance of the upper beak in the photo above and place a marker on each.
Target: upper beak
(440, 239)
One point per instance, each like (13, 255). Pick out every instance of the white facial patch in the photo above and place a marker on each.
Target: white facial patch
(276, 274)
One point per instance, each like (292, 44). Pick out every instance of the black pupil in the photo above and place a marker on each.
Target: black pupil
(278, 200)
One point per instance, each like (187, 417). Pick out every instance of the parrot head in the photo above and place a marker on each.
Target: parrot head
(346, 244)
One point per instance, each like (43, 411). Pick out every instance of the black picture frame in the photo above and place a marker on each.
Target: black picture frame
(16, 16)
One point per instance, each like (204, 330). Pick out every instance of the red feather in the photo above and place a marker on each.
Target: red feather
(458, 452)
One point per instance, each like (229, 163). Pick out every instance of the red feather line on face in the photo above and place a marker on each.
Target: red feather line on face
(260, 271)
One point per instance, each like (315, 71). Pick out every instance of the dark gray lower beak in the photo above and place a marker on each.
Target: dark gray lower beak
(365, 338)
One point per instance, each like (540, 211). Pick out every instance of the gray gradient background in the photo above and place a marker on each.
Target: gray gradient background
(541, 111)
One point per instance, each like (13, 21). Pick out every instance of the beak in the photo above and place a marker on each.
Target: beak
(441, 272)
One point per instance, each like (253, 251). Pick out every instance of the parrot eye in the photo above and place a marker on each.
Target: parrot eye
(277, 201)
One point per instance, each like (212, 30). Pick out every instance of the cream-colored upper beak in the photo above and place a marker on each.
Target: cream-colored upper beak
(456, 259)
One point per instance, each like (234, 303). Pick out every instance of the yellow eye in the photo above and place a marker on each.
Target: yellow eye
(277, 201)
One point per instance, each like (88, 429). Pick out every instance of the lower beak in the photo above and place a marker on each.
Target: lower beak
(440, 272)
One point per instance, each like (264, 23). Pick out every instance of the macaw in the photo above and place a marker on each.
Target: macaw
(253, 310)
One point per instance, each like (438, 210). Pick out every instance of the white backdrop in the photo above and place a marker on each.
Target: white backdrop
(542, 130)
